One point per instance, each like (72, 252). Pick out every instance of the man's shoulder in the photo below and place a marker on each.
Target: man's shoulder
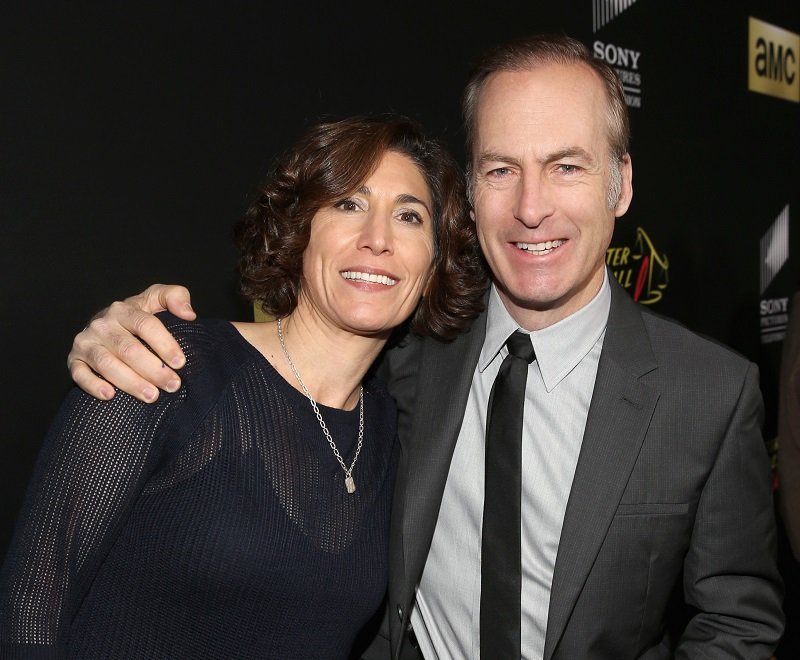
(688, 354)
(412, 351)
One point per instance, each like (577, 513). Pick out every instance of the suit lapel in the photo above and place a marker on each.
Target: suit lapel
(618, 419)
(444, 383)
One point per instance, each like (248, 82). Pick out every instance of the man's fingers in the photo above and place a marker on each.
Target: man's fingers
(119, 329)
(132, 367)
(172, 297)
(111, 346)
(99, 360)
(90, 382)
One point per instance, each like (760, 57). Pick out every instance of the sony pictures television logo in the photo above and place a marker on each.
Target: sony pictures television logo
(624, 60)
(773, 61)
(626, 63)
(774, 311)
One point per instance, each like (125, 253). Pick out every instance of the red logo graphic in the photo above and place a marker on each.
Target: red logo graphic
(640, 269)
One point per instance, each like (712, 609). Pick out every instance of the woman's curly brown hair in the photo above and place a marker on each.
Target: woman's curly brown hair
(332, 160)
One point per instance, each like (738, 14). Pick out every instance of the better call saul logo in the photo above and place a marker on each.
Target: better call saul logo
(773, 67)
(640, 268)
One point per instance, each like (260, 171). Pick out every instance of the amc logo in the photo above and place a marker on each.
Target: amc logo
(773, 66)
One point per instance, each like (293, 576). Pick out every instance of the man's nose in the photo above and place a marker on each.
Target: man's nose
(533, 201)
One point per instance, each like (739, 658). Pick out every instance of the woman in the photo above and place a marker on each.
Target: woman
(246, 515)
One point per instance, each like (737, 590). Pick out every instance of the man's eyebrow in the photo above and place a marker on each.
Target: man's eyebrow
(496, 157)
(568, 152)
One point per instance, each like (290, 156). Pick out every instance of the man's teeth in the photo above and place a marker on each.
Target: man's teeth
(540, 248)
(368, 277)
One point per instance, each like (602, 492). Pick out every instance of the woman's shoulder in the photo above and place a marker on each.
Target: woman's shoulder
(200, 331)
(216, 355)
(206, 340)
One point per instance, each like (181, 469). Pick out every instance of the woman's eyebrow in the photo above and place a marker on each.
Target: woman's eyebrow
(407, 198)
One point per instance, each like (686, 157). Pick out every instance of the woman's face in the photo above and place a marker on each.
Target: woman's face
(369, 255)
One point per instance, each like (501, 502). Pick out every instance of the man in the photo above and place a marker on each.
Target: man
(644, 476)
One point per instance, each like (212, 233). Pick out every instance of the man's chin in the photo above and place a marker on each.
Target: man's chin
(533, 297)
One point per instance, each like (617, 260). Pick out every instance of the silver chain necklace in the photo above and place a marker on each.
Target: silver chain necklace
(348, 472)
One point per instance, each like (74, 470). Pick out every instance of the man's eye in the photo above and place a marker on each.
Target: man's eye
(500, 171)
(568, 169)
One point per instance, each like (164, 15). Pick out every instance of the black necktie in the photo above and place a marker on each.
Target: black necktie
(501, 582)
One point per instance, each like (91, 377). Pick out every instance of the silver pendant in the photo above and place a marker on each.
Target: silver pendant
(350, 484)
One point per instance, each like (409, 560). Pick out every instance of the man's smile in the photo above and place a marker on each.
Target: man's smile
(546, 247)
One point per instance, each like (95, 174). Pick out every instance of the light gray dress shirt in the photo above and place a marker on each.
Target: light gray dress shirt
(446, 618)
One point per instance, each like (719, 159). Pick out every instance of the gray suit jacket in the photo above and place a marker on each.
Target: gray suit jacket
(670, 501)
(789, 429)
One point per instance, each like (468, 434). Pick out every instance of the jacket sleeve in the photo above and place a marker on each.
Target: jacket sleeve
(789, 430)
(90, 470)
(731, 580)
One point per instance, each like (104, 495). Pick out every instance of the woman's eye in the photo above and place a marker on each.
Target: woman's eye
(347, 205)
(411, 217)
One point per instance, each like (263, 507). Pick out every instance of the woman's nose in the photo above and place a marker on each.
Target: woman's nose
(376, 234)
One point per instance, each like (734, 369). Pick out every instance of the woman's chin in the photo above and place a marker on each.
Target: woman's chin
(371, 328)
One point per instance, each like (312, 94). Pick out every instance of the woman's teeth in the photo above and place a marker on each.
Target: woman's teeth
(372, 278)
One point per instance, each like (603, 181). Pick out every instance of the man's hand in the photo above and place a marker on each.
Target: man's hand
(111, 346)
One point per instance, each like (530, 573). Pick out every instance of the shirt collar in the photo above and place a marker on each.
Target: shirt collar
(560, 347)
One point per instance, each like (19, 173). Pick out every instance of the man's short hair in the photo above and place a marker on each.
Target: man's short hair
(530, 52)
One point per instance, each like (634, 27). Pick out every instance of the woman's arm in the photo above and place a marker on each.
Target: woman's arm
(92, 466)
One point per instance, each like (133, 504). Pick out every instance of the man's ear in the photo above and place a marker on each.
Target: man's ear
(626, 189)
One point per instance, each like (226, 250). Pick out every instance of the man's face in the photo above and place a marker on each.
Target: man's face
(541, 176)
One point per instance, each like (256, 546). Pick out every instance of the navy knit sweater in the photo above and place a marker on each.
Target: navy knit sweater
(211, 524)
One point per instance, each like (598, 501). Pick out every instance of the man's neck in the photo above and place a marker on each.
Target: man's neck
(532, 318)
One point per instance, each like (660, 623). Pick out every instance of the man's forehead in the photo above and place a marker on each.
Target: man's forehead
(542, 83)
(550, 108)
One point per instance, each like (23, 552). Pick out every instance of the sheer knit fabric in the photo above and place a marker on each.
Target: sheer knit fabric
(212, 524)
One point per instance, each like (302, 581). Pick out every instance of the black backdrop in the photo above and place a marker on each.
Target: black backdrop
(132, 138)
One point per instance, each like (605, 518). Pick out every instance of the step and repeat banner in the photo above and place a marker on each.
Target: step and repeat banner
(133, 138)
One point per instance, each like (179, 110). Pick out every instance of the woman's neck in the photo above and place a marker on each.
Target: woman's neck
(331, 361)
